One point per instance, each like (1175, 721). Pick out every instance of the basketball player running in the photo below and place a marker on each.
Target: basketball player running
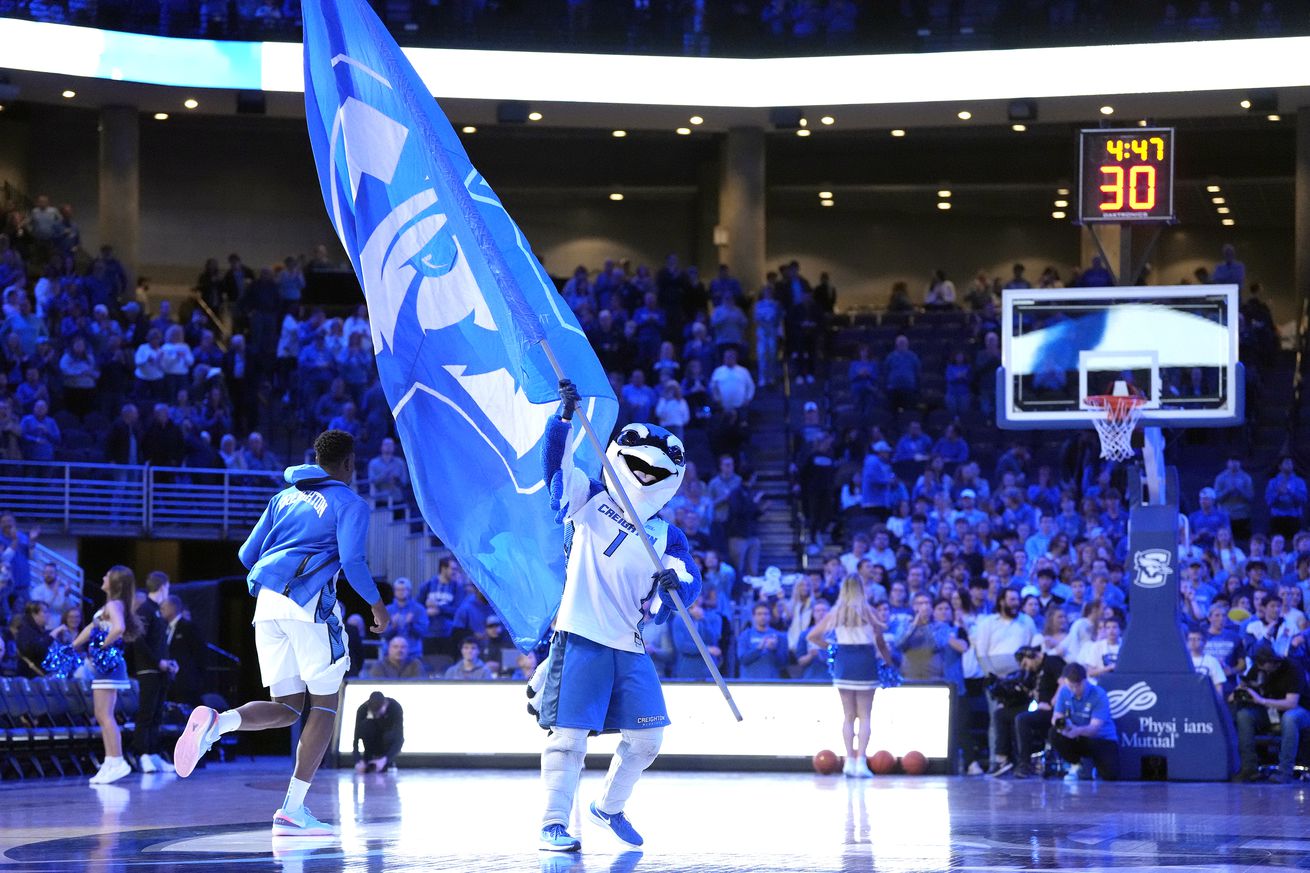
(308, 534)
(598, 677)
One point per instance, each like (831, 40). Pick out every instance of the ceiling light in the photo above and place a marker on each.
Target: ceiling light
(1213, 189)
(804, 122)
(944, 205)
(683, 131)
(1063, 192)
(1018, 128)
(1245, 104)
(1218, 201)
(1223, 210)
(802, 132)
(696, 119)
(161, 116)
(1275, 117)
(898, 132)
(825, 202)
(534, 116)
(1057, 214)
(618, 134)
(1228, 222)
(616, 196)
(827, 119)
(1107, 110)
(69, 95)
(191, 103)
(944, 193)
(2, 107)
(825, 195)
(468, 128)
(964, 115)
(1142, 122)
(1061, 204)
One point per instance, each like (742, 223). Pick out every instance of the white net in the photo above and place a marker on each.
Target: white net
(1115, 424)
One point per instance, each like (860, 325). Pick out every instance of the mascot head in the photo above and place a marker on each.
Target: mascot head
(649, 463)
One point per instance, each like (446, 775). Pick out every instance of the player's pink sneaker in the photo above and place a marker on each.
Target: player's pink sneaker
(197, 737)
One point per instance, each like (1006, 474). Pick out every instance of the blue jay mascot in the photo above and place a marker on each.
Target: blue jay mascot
(598, 677)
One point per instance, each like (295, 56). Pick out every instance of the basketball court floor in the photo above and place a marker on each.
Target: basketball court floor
(487, 821)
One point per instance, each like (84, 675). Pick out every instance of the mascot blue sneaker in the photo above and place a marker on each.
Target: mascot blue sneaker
(598, 677)
(619, 826)
(556, 838)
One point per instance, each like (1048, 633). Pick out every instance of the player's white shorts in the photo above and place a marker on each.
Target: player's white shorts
(295, 656)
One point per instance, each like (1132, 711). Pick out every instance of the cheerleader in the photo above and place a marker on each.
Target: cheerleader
(855, 668)
(105, 636)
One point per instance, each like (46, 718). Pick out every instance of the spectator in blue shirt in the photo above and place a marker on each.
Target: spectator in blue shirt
(1285, 496)
(863, 376)
(1082, 727)
(914, 444)
(639, 398)
(952, 447)
(1207, 520)
(408, 618)
(1017, 280)
(689, 664)
(880, 490)
(40, 435)
(811, 658)
(761, 650)
(901, 369)
(1234, 492)
(1229, 271)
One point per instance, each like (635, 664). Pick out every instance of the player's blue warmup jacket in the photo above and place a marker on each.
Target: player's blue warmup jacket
(307, 533)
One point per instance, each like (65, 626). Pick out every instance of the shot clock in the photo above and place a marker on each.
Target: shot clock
(1126, 175)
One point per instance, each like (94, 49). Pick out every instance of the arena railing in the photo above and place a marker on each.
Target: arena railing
(116, 499)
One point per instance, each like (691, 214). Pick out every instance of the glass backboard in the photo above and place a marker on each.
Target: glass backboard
(1175, 345)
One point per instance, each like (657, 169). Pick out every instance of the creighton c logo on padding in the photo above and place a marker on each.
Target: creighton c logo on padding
(1152, 566)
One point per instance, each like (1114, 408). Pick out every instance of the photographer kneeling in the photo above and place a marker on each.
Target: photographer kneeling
(1273, 683)
(1032, 725)
(1013, 724)
(1081, 726)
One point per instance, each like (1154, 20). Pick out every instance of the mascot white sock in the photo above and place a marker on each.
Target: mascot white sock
(635, 753)
(561, 767)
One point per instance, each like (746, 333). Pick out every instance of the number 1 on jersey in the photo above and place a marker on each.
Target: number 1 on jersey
(623, 534)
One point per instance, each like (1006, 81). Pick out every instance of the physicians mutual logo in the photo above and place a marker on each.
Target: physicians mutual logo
(1137, 697)
(1152, 567)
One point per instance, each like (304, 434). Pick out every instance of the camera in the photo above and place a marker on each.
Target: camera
(1243, 696)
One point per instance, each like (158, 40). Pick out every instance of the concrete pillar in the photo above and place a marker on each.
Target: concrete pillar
(1301, 229)
(740, 233)
(120, 184)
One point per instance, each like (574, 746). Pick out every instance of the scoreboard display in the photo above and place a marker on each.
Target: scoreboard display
(1126, 175)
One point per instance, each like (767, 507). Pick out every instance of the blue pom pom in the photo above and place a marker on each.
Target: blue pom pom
(60, 661)
(105, 659)
(888, 675)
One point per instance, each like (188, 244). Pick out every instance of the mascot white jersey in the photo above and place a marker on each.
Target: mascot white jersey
(598, 677)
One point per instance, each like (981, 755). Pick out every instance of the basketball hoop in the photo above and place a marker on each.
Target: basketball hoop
(1117, 418)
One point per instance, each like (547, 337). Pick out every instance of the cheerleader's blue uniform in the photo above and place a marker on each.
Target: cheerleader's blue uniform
(108, 666)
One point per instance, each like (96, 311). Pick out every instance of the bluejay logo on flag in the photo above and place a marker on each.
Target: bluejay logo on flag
(458, 307)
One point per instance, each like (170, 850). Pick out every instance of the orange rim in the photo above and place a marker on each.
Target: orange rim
(1116, 407)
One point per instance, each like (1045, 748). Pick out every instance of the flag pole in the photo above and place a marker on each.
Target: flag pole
(645, 540)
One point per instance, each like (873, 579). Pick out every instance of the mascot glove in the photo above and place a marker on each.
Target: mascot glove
(667, 581)
(569, 399)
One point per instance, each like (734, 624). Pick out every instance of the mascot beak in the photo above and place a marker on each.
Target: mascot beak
(647, 464)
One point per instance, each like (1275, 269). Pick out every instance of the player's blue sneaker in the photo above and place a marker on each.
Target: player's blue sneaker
(556, 838)
(300, 823)
(619, 826)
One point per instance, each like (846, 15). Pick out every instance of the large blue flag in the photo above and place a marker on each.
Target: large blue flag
(459, 306)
